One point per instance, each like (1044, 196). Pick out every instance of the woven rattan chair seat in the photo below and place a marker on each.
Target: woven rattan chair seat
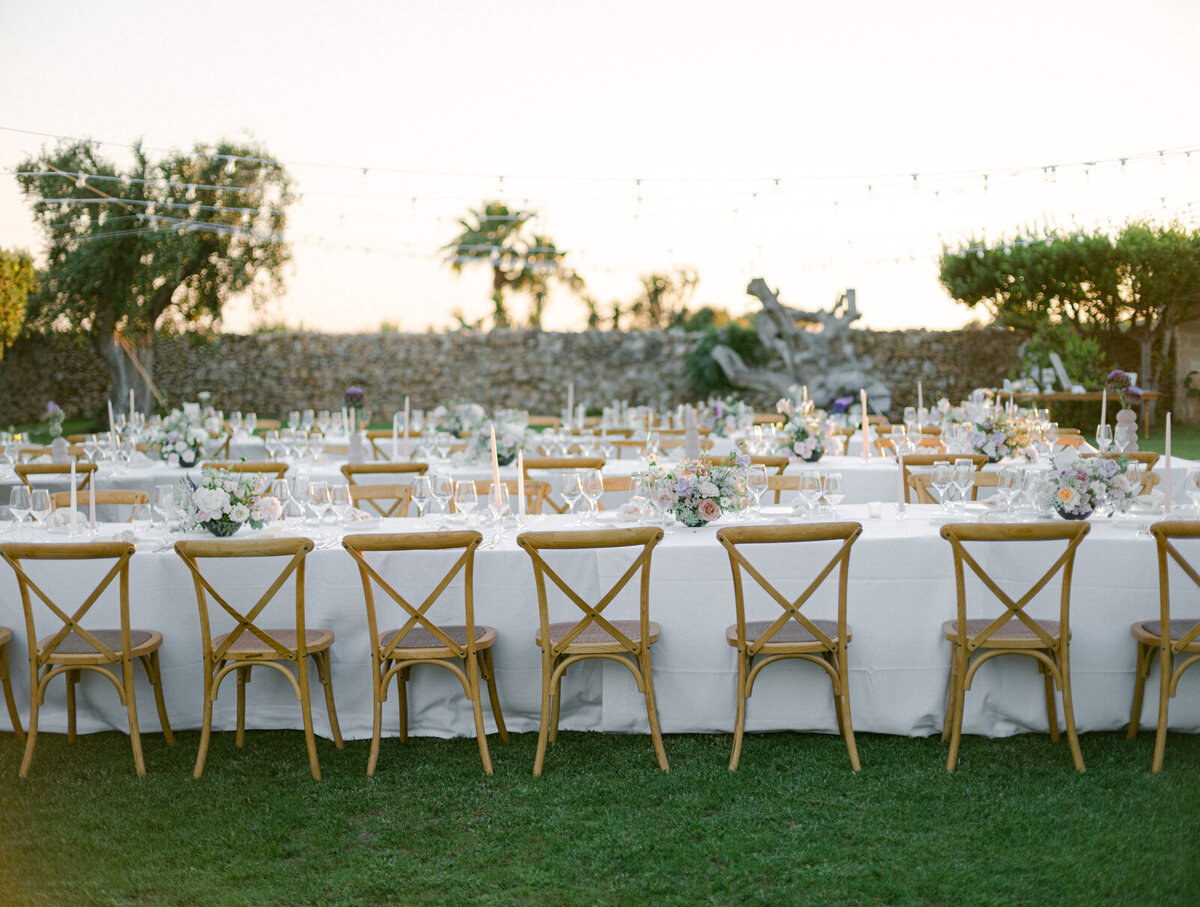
(595, 635)
(788, 636)
(249, 645)
(1151, 631)
(420, 638)
(74, 646)
(1014, 633)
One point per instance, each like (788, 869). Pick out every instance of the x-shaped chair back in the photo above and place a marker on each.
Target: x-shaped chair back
(559, 465)
(295, 549)
(384, 473)
(1163, 534)
(535, 543)
(381, 444)
(922, 482)
(83, 472)
(117, 552)
(271, 469)
(926, 461)
(733, 537)
(385, 500)
(1144, 458)
(535, 493)
(960, 534)
(417, 615)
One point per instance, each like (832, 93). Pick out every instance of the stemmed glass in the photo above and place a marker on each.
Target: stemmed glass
(1050, 434)
(141, 519)
(249, 423)
(1031, 490)
(498, 506)
(90, 447)
(756, 483)
(443, 490)
(1191, 484)
(834, 490)
(40, 506)
(1104, 438)
(941, 480)
(810, 490)
(422, 494)
(639, 492)
(1124, 437)
(318, 500)
(341, 501)
(593, 490)
(963, 477)
(661, 496)
(1008, 486)
(571, 488)
(466, 499)
(899, 436)
(19, 505)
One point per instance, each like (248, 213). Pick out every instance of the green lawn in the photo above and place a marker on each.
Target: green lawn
(1014, 824)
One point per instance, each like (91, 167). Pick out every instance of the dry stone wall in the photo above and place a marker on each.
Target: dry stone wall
(275, 372)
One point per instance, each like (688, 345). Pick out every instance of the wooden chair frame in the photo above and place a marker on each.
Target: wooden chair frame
(222, 659)
(1177, 644)
(381, 445)
(1049, 650)
(83, 472)
(390, 658)
(13, 715)
(269, 468)
(559, 464)
(409, 468)
(560, 654)
(823, 650)
(1144, 458)
(48, 657)
(400, 495)
(110, 497)
(915, 459)
(921, 483)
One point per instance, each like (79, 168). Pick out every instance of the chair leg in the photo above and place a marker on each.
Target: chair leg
(951, 696)
(135, 737)
(243, 677)
(652, 708)
(1064, 665)
(402, 698)
(544, 725)
(1139, 688)
(842, 704)
(326, 675)
(477, 708)
(6, 680)
(1164, 696)
(35, 700)
(310, 742)
(739, 721)
(377, 723)
(557, 700)
(72, 678)
(489, 674)
(205, 724)
(150, 663)
(1051, 707)
(960, 696)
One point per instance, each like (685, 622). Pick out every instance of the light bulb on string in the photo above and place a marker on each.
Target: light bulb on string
(230, 166)
(190, 195)
(81, 181)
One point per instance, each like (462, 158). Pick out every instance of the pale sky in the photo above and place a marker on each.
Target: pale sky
(697, 107)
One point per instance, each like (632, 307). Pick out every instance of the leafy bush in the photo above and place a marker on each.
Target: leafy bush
(705, 375)
(1082, 356)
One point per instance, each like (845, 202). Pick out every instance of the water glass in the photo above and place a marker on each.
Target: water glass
(19, 505)
(341, 501)
(593, 490)
(833, 489)
(422, 494)
(941, 479)
(756, 483)
(810, 489)
(1104, 438)
(40, 506)
(465, 498)
(571, 489)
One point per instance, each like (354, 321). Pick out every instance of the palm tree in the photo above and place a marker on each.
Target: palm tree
(543, 263)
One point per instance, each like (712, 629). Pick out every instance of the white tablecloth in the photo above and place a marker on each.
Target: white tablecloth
(901, 589)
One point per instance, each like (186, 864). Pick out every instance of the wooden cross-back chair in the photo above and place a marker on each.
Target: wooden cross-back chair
(921, 484)
(83, 472)
(271, 468)
(14, 716)
(564, 643)
(792, 635)
(381, 444)
(544, 421)
(927, 460)
(780, 484)
(1175, 641)
(627, 445)
(769, 418)
(383, 473)
(778, 463)
(1144, 458)
(384, 500)
(463, 649)
(1014, 632)
(249, 645)
(675, 440)
(113, 497)
(218, 444)
(72, 648)
(558, 465)
(535, 493)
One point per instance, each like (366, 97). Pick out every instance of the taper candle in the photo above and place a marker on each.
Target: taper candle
(866, 443)
(1167, 469)
(521, 483)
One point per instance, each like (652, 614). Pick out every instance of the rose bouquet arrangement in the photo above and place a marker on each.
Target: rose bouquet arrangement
(461, 419)
(1075, 485)
(222, 501)
(723, 415)
(510, 439)
(995, 437)
(180, 439)
(806, 431)
(701, 492)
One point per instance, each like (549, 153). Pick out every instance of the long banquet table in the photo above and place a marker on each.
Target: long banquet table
(901, 589)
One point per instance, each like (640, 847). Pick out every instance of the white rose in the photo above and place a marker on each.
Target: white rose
(239, 513)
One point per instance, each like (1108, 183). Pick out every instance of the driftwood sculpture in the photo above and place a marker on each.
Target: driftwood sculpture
(816, 349)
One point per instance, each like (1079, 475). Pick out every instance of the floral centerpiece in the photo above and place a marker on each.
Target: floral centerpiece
(222, 501)
(701, 492)
(461, 419)
(723, 415)
(1075, 486)
(995, 437)
(354, 397)
(180, 439)
(54, 419)
(509, 440)
(1119, 382)
(805, 431)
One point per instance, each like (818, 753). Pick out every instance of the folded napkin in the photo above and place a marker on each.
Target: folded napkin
(633, 511)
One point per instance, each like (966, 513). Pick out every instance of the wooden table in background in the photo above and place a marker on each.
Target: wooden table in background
(1090, 396)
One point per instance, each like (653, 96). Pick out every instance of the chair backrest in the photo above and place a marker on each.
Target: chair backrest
(218, 446)
(772, 462)
(385, 500)
(68, 624)
(769, 418)
(535, 493)
(922, 482)
(385, 473)
(1165, 534)
(265, 425)
(110, 497)
(267, 468)
(558, 465)
(928, 459)
(417, 616)
(83, 472)
(623, 445)
(294, 549)
(544, 421)
(978, 536)
(381, 443)
(673, 440)
(535, 543)
(733, 537)
(1144, 458)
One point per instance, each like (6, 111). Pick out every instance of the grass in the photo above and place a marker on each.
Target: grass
(1014, 824)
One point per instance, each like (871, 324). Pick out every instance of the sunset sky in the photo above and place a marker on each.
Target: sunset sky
(773, 139)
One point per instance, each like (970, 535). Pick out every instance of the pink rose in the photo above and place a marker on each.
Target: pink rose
(708, 510)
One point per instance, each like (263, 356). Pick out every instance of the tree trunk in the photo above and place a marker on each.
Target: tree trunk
(124, 376)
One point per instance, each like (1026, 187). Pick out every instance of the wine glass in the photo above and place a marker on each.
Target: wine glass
(40, 506)
(422, 494)
(756, 483)
(1104, 438)
(571, 488)
(90, 448)
(498, 501)
(443, 490)
(341, 501)
(810, 490)
(941, 478)
(249, 423)
(1191, 484)
(833, 490)
(963, 477)
(466, 499)
(141, 519)
(19, 505)
(318, 499)
(1050, 434)
(639, 492)
(1008, 486)
(593, 490)
(272, 442)
(662, 496)
(899, 436)
(293, 419)
(1124, 437)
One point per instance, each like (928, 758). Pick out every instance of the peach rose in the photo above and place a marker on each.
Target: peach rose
(708, 510)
